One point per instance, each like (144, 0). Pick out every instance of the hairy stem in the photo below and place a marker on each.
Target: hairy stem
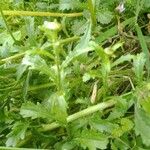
(83, 113)
(14, 148)
(80, 114)
(12, 57)
(31, 13)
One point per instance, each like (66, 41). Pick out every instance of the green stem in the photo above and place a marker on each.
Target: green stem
(56, 49)
(92, 11)
(31, 13)
(139, 6)
(38, 87)
(83, 113)
(80, 114)
(44, 53)
(14, 148)
(12, 57)
(59, 85)
(7, 27)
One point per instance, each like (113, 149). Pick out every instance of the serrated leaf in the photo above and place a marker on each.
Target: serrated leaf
(31, 33)
(69, 4)
(142, 124)
(84, 41)
(125, 126)
(6, 43)
(79, 27)
(58, 107)
(104, 17)
(81, 48)
(103, 125)
(34, 111)
(17, 133)
(119, 110)
(92, 140)
(74, 54)
(122, 59)
(37, 63)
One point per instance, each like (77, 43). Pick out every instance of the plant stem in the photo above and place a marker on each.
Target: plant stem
(92, 11)
(39, 87)
(80, 114)
(83, 113)
(12, 57)
(7, 27)
(14, 148)
(59, 82)
(31, 13)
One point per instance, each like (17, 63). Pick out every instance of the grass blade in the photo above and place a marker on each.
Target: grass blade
(143, 46)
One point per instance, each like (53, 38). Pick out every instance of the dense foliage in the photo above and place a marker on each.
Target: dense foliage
(76, 78)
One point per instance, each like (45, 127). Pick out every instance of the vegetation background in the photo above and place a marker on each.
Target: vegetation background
(74, 74)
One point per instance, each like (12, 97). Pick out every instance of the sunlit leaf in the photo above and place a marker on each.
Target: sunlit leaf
(17, 133)
(142, 125)
(34, 111)
(138, 64)
(58, 107)
(92, 140)
(104, 17)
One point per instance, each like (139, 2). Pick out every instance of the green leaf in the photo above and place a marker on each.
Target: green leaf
(79, 27)
(35, 62)
(138, 64)
(69, 4)
(6, 43)
(143, 46)
(58, 107)
(112, 31)
(20, 70)
(146, 3)
(120, 108)
(143, 97)
(145, 103)
(69, 145)
(122, 59)
(142, 124)
(34, 111)
(103, 125)
(92, 140)
(26, 85)
(17, 133)
(104, 17)
(125, 126)
(84, 41)
(74, 54)
(86, 77)
(31, 33)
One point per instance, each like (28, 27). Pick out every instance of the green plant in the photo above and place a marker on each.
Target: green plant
(74, 74)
